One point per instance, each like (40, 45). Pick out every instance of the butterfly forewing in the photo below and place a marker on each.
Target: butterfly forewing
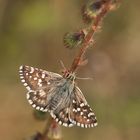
(34, 78)
(81, 114)
(38, 83)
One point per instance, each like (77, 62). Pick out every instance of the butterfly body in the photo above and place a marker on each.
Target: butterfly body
(64, 94)
(59, 95)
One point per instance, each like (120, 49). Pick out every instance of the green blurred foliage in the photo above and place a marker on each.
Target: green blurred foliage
(31, 32)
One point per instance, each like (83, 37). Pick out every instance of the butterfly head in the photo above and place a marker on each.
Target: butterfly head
(69, 75)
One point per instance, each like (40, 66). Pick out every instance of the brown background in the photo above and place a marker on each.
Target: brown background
(31, 33)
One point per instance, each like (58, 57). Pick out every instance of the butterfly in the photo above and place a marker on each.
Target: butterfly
(58, 95)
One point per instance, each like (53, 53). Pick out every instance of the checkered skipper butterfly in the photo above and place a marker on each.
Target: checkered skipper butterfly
(59, 95)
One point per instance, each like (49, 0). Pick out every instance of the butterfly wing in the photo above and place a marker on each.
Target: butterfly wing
(62, 117)
(38, 83)
(80, 113)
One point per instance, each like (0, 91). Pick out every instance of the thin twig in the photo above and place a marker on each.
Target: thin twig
(47, 127)
(52, 130)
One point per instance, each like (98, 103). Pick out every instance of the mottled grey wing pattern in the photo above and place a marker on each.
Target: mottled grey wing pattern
(81, 114)
(38, 83)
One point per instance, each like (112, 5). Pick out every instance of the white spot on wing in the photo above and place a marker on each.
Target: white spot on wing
(33, 105)
(45, 110)
(38, 107)
(70, 125)
(89, 125)
(43, 75)
(90, 114)
(56, 119)
(92, 125)
(21, 77)
(81, 113)
(65, 124)
(82, 125)
(35, 78)
(27, 96)
(32, 70)
(42, 93)
(25, 84)
(39, 80)
(27, 74)
(78, 124)
(95, 124)
(88, 120)
(86, 126)
(21, 67)
(30, 101)
(74, 122)
(74, 110)
(74, 101)
(39, 84)
(78, 109)
(82, 104)
(22, 80)
(60, 122)
(21, 71)
(48, 83)
(28, 88)
(41, 108)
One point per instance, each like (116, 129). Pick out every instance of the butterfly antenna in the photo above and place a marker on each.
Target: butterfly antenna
(62, 64)
(85, 78)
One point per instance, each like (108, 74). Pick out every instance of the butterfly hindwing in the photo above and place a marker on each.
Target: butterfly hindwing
(81, 114)
(38, 100)
(62, 117)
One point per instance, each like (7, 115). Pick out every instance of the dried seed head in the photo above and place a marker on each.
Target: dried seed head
(73, 39)
(114, 5)
(92, 10)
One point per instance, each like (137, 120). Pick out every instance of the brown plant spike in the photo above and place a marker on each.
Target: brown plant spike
(89, 35)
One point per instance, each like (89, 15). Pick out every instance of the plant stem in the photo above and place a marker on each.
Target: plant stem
(78, 59)
(46, 130)
(52, 130)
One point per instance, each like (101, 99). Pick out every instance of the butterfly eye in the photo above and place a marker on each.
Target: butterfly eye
(68, 75)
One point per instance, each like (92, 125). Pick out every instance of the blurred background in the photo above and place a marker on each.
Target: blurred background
(31, 33)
